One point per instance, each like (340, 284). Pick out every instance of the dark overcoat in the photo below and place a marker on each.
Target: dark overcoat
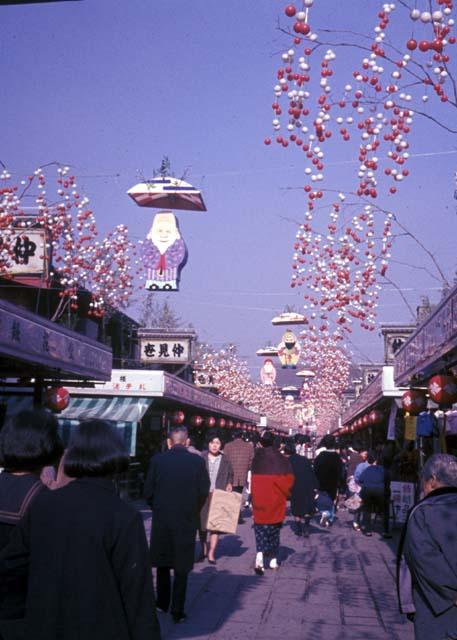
(89, 572)
(176, 487)
(328, 468)
(302, 496)
(225, 472)
(430, 551)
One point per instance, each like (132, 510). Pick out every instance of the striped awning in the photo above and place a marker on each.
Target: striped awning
(14, 404)
(116, 409)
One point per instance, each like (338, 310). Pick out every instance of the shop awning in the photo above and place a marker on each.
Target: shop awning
(15, 404)
(118, 409)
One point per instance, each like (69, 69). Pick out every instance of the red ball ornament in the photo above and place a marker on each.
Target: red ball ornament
(57, 398)
(267, 141)
(196, 421)
(443, 389)
(178, 417)
(210, 422)
(414, 401)
(424, 46)
(411, 44)
(290, 11)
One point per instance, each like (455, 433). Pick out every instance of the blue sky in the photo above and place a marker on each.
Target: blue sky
(111, 86)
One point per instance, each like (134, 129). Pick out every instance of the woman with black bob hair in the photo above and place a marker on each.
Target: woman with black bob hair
(88, 566)
(28, 442)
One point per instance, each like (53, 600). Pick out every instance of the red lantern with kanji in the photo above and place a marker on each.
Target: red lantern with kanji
(221, 423)
(375, 417)
(210, 422)
(178, 417)
(443, 389)
(414, 401)
(57, 398)
(196, 421)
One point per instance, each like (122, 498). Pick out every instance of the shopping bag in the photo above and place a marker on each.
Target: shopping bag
(353, 503)
(224, 511)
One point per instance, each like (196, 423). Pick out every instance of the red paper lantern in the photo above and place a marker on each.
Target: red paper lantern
(365, 420)
(414, 401)
(375, 417)
(230, 424)
(196, 421)
(238, 425)
(221, 423)
(178, 417)
(443, 389)
(57, 398)
(210, 422)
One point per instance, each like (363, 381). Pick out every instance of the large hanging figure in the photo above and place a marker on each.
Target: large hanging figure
(164, 252)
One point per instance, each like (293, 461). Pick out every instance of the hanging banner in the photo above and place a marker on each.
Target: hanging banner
(289, 351)
(402, 497)
(268, 372)
(28, 252)
(164, 253)
(392, 418)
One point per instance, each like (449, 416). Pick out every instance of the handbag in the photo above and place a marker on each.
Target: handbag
(353, 503)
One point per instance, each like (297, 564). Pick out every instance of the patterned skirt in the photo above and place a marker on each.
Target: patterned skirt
(267, 538)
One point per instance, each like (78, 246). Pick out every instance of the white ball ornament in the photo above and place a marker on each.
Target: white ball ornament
(308, 3)
(426, 16)
(437, 16)
(415, 14)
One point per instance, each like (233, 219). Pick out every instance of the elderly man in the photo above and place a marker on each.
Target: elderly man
(427, 577)
(176, 488)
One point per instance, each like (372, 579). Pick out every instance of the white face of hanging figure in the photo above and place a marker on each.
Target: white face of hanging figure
(165, 231)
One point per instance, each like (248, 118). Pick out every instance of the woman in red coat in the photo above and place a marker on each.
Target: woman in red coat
(271, 483)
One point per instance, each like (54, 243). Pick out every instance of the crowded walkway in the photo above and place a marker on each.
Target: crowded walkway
(336, 584)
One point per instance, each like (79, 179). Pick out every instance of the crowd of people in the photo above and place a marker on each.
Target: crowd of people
(75, 562)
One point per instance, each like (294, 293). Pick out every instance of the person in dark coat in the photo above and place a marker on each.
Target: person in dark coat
(372, 493)
(303, 491)
(328, 467)
(88, 570)
(271, 484)
(176, 488)
(28, 443)
(220, 473)
(427, 567)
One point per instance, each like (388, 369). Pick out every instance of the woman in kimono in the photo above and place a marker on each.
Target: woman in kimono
(85, 550)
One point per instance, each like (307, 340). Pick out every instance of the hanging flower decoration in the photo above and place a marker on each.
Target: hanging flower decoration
(78, 258)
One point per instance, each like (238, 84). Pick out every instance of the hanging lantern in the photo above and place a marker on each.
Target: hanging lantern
(365, 420)
(443, 389)
(222, 423)
(196, 421)
(57, 398)
(375, 417)
(230, 424)
(178, 417)
(414, 401)
(238, 425)
(210, 422)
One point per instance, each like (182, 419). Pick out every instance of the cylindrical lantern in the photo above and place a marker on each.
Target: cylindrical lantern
(414, 401)
(230, 424)
(375, 417)
(238, 425)
(178, 417)
(221, 423)
(443, 389)
(210, 422)
(196, 421)
(365, 420)
(57, 398)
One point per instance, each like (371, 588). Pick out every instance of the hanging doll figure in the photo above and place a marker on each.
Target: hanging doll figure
(164, 253)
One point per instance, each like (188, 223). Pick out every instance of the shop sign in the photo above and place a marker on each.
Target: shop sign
(28, 249)
(32, 339)
(402, 497)
(160, 351)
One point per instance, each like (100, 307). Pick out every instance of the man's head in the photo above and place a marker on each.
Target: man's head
(364, 455)
(178, 435)
(371, 458)
(267, 439)
(439, 471)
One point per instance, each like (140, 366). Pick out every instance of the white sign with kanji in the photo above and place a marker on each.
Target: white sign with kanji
(158, 351)
(402, 495)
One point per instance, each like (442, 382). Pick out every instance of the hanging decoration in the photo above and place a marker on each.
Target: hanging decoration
(57, 398)
(268, 372)
(289, 350)
(443, 389)
(164, 253)
(414, 401)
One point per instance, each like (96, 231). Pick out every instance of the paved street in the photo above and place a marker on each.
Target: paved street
(337, 584)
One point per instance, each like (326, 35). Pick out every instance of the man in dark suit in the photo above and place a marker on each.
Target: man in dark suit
(176, 488)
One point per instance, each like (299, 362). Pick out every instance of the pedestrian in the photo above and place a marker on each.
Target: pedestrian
(220, 473)
(372, 493)
(328, 468)
(240, 454)
(271, 484)
(427, 567)
(28, 443)
(361, 466)
(176, 487)
(88, 570)
(354, 458)
(190, 444)
(303, 491)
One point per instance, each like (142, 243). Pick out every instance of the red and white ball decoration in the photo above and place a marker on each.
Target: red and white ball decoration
(414, 401)
(57, 398)
(443, 389)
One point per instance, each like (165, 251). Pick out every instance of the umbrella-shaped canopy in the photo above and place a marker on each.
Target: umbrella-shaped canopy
(167, 193)
(289, 318)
